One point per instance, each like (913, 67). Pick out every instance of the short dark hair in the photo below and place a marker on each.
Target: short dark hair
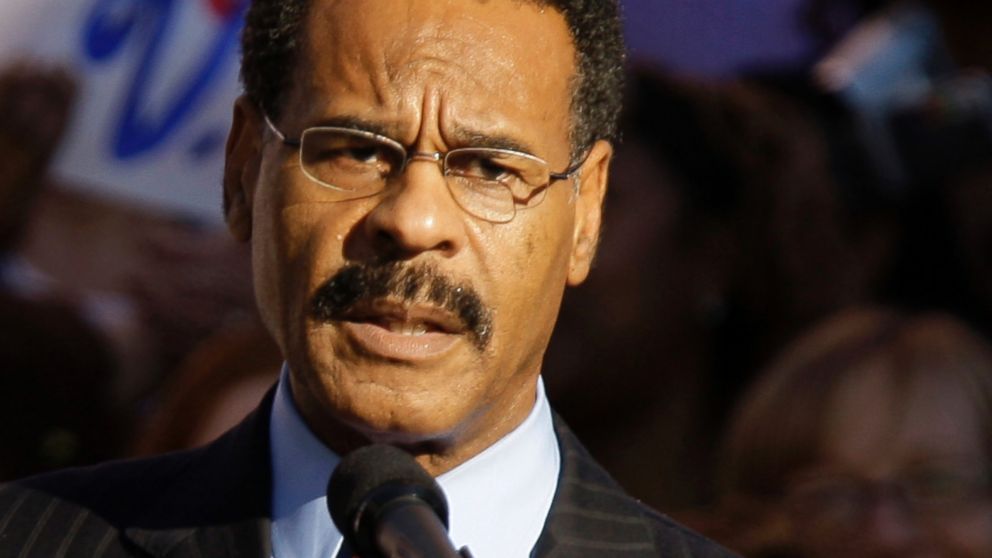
(273, 34)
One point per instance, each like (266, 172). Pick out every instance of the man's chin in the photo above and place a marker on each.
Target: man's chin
(418, 425)
(399, 403)
(366, 383)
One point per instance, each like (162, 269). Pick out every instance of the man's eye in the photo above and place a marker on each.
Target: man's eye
(362, 154)
(352, 154)
(354, 159)
(486, 168)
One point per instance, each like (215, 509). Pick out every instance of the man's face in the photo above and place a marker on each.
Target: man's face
(451, 313)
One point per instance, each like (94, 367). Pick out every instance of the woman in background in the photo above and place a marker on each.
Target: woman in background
(871, 436)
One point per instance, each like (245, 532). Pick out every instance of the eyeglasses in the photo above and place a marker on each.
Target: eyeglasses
(839, 503)
(487, 183)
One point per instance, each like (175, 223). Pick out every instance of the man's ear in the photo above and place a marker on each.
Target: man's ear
(243, 157)
(589, 210)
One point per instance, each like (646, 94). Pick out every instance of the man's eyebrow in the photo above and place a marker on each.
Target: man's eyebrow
(355, 123)
(472, 138)
(463, 136)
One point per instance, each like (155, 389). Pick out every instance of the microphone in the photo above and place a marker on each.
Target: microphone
(386, 505)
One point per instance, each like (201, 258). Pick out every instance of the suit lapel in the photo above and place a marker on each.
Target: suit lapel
(590, 515)
(221, 508)
(244, 539)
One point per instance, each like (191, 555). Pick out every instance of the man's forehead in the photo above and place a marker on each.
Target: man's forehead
(390, 27)
(479, 54)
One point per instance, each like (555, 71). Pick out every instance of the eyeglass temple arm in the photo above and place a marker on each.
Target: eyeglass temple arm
(567, 173)
(282, 137)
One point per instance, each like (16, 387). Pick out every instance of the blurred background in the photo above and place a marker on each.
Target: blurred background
(784, 340)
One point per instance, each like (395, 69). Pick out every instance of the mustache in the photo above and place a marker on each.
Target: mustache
(362, 283)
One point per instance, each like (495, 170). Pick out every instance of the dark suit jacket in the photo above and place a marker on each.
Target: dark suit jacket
(214, 502)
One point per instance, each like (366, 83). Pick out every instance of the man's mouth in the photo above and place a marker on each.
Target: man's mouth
(405, 328)
(402, 332)
(405, 319)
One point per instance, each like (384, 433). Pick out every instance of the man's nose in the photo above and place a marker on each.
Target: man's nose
(417, 214)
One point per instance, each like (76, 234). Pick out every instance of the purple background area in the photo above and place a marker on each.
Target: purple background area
(716, 37)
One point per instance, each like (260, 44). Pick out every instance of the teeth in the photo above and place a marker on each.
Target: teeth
(407, 328)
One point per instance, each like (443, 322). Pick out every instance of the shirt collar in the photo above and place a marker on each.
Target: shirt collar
(498, 500)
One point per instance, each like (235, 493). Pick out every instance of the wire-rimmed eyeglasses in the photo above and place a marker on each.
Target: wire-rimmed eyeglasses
(488, 183)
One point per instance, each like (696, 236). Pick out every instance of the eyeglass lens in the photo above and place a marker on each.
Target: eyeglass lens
(841, 501)
(487, 183)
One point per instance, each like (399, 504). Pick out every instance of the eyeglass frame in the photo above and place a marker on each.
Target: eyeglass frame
(869, 492)
(435, 156)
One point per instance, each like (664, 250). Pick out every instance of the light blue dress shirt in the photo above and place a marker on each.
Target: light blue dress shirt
(498, 501)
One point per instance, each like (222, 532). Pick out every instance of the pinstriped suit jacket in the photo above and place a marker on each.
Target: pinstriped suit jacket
(214, 502)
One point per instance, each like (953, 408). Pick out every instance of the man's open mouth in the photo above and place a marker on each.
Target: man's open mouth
(405, 319)
(399, 332)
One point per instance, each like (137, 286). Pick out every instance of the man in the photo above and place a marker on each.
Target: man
(419, 180)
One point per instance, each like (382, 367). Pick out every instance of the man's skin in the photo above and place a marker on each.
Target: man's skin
(434, 75)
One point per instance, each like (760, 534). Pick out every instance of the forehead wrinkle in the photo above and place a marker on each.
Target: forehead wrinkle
(435, 53)
(342, 49)
(461, 51)
(434, 65)
(468, 50)
(439, 55)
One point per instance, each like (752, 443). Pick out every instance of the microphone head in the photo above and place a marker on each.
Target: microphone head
(367, 481)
